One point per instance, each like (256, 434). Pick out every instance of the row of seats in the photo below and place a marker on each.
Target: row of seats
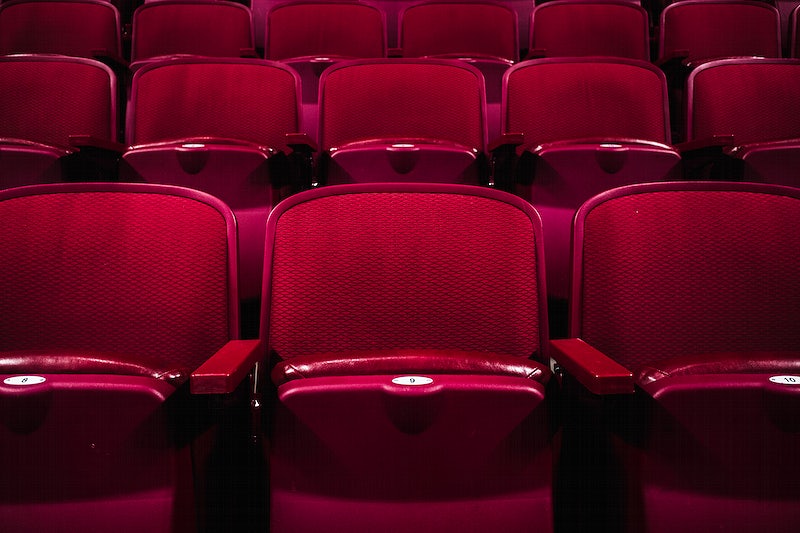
(695, 29)
(404, 327)
(570, 129)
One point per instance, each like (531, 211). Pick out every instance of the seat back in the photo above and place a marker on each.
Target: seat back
(569, 99)
(667, 269)
(590, 28)
(112, 295)
(463, 29)
(419, 310)
(402, 99)
(240, 99)
(429, 282)
(710, 29)
(68, 27)
(338, 29)
(753, 100)
(197, 27)
(693, 287)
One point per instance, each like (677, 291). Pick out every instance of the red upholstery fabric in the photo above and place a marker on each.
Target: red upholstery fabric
(437, 28)
(68, 27)
(207, 28)
(247, 100)
(391, 362)
(605, 28)
(720, 28)
(401, 100)
(672, 272)
(755, 101)
(324, 29)
(366, 271)
(46, 99)
(552, 100)
(141, 274)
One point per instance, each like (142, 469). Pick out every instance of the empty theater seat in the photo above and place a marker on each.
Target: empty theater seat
(218, 125)
(751, 105)
(587, 125)
(566, 28)
(113, 296)
(697, 30)
(406, 324)
(683, 366)
(46, 102)
(197, 27)
(402, 120)
(83, 28)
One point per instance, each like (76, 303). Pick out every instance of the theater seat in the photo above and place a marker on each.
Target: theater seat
(402, 120)
(46, 102)
(114, 296)
(682, 366)
(406, 324)
(750, 103)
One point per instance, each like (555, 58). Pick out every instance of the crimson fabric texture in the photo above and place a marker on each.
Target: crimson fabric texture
(668, 273)
(248, 100)
(397, 100)
(755, 101)
(481, 29)
(569, 28)
(385, 271)
(325, 29)
(207, 28)
(550, 100)
(67, 27)
(714, 29)
(134, 273)
(46, 99)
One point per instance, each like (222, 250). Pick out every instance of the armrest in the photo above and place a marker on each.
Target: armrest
(394, 52)
(506, 140)
(223, 372)
(301, 142)
(248, 53)
(592, 368)
(503, 159)
(535, 53)
(707, 146)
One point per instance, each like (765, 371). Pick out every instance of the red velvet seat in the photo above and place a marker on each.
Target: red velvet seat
(752, 103)
(402, 120)
(45, 102)
(685, 300)
(588, 125)
(217, 125)
(698, 30)
(196, 27)
(406, 324)
(569, 28)
(113, 297)
(82, 28)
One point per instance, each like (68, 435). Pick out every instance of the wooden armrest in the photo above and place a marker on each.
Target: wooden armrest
(223, 372)
(592, 368)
